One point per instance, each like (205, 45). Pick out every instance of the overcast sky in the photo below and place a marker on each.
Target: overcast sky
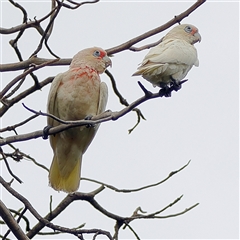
(200, 122)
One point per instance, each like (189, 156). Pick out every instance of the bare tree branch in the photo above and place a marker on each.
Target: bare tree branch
(140, 188)
(147, 46)
(117, 49)
(107, 116)
(14, 87)
(45, 222)
(20, 213)
(176, 19)
(33, 60)
(13, 127)
(77, 5)
(11, 222)
(20, 96)
(18, 155)
(8, 167)
(47, 32)
(24, 26)
(18, 220)
(123, 101)
(23, 75)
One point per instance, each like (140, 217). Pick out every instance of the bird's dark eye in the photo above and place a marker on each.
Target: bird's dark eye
(96, 53)
(188, 29)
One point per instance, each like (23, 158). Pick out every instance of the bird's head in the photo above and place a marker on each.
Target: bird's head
(95, 58)
(187, 32)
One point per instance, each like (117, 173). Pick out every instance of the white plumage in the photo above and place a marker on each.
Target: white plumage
(172, 59)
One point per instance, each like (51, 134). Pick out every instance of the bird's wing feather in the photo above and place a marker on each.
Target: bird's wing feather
(103, 97)
(52, 103)
(172, 51)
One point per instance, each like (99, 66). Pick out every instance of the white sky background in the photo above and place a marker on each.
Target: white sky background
(200, 122)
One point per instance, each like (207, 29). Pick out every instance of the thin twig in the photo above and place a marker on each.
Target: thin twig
(77, 5)
(124, 102)
(23, 75)
(176, 19)
(24, 26)
(19, 213)
(48, 30)
(17, 155)
(134, 232)
(8, 167)
(140, 188)
(23, 94)
(13, 127)
(147, 46)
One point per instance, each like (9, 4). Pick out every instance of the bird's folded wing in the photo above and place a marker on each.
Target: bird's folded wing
(52, 103)
(172, 51)
(103, 97)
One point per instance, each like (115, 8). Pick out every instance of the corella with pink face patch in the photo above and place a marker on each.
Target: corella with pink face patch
(74, 95)
(170, 61)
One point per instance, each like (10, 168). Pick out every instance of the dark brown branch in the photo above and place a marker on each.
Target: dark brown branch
(19, 84)
(8, 167)
(24, 26)
(54, 7)
(13, 43)
(127, 45)
(18, 155)
(60, 208)
(34, 161)
(104, 117)
(11, 222)
(18, 28)
(77, 5)
(176, 19)
(18, 220)
(13, 127)
(179, 213)
(140, 188)
(48, 115)
(20, 213)
(47, 32)
(23, 94)
(154, 215)
(47, 223)
(23, 75)
(33, 60)
(124, 102)
(147, 46)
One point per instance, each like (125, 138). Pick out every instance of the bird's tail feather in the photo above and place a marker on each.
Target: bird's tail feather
(69, 183)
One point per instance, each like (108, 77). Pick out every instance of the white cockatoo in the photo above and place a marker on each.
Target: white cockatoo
(170, 61)
(75, 95)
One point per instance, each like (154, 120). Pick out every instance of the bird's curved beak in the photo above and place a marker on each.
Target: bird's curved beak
(197, 36)
(107, 61)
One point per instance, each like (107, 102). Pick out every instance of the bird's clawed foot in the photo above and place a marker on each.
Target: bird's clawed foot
(46, 132)
(89, 117)
(165, 92)
(175, 85)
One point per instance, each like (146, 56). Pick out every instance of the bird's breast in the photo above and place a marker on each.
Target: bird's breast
(78, 94)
